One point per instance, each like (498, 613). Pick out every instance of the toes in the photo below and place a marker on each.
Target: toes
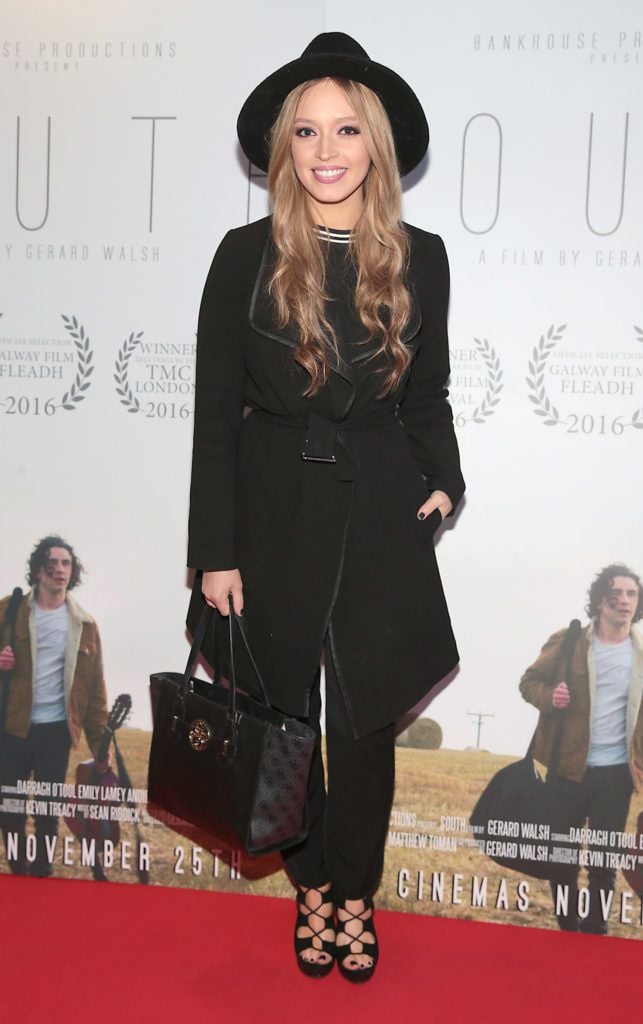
(357, 964)
(311, 956)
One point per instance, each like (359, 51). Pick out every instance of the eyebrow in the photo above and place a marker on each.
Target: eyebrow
(310, 120)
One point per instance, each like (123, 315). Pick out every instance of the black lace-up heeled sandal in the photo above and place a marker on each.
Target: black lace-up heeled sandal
(353, 940)
(315, 930)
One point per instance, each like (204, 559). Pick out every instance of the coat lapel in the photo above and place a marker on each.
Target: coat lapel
(262, 320)
(262, 314)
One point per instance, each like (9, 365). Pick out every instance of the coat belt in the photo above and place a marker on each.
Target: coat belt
(323, 436)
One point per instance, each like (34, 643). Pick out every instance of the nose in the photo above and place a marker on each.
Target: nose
(325, 148)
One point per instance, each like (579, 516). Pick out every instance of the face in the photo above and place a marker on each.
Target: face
(330, 158)
(54, 576)
(619, 605)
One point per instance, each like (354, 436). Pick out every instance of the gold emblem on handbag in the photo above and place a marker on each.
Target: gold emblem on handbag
(199, 734)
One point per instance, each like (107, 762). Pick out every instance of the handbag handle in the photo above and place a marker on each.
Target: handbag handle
(229, 742)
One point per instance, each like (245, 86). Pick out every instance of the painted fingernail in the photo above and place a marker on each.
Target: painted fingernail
(421, 515)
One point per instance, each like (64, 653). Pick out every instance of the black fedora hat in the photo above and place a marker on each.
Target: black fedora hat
(335, 55)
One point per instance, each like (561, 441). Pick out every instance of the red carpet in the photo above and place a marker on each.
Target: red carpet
(82, 951)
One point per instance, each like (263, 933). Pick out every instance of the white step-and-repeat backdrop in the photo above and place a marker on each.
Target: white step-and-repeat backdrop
(120, 172)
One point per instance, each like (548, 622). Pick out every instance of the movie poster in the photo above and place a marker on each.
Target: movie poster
(120, 175)
(435, 863)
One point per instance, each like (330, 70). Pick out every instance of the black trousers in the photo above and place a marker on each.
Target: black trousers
(604, 802)
(43, 755)
(349, 812)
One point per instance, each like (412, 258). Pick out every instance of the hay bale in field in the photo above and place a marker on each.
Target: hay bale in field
(422, 734)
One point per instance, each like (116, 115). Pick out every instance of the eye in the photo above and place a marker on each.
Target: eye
(304, 133)
(349, 129)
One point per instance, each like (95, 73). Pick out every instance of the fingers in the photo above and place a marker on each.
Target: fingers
(561, 696)
(438, 499)
(217, 586)
(220, 602)
(7, 659)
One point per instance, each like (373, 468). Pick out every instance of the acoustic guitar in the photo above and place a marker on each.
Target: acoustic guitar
(92, 817)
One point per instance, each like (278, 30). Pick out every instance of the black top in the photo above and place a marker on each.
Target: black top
(340, 282)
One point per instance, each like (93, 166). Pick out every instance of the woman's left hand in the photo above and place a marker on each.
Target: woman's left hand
(439, 500)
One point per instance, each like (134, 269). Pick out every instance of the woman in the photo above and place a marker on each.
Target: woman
(317, 510)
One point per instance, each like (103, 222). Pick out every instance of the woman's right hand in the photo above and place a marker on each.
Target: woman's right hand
(216, 586)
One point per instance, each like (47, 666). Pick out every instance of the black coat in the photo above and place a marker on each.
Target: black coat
(324, 544)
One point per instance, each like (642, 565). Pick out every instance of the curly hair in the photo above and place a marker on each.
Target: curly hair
(601, 586)
(40, 555)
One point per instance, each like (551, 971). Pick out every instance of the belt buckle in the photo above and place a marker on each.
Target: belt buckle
(319, 440)
(318, 458)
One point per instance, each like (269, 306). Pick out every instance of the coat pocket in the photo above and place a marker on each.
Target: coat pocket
(432, 521)
(425, 529)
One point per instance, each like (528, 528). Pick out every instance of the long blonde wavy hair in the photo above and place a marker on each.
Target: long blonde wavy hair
(379, 246)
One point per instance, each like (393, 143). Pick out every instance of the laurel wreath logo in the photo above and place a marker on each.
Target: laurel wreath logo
(535, 382)
(84, 355)
(491, 398)
(493, 386)
(128, 399)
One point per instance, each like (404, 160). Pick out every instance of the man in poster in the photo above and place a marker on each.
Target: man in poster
(602, 744)
(51, 688)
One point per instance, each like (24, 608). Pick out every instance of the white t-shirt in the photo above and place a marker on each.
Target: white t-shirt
(49, 687)
(608, 736)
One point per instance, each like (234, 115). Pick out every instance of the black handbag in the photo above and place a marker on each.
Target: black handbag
(520, 821)
(223, 762)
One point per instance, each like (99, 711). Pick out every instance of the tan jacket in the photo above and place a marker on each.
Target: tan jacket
(543, 676)
(85, 696)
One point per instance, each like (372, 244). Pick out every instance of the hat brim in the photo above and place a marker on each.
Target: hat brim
(260, 110)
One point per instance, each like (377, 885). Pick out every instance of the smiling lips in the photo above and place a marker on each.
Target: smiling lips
(328, 175)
